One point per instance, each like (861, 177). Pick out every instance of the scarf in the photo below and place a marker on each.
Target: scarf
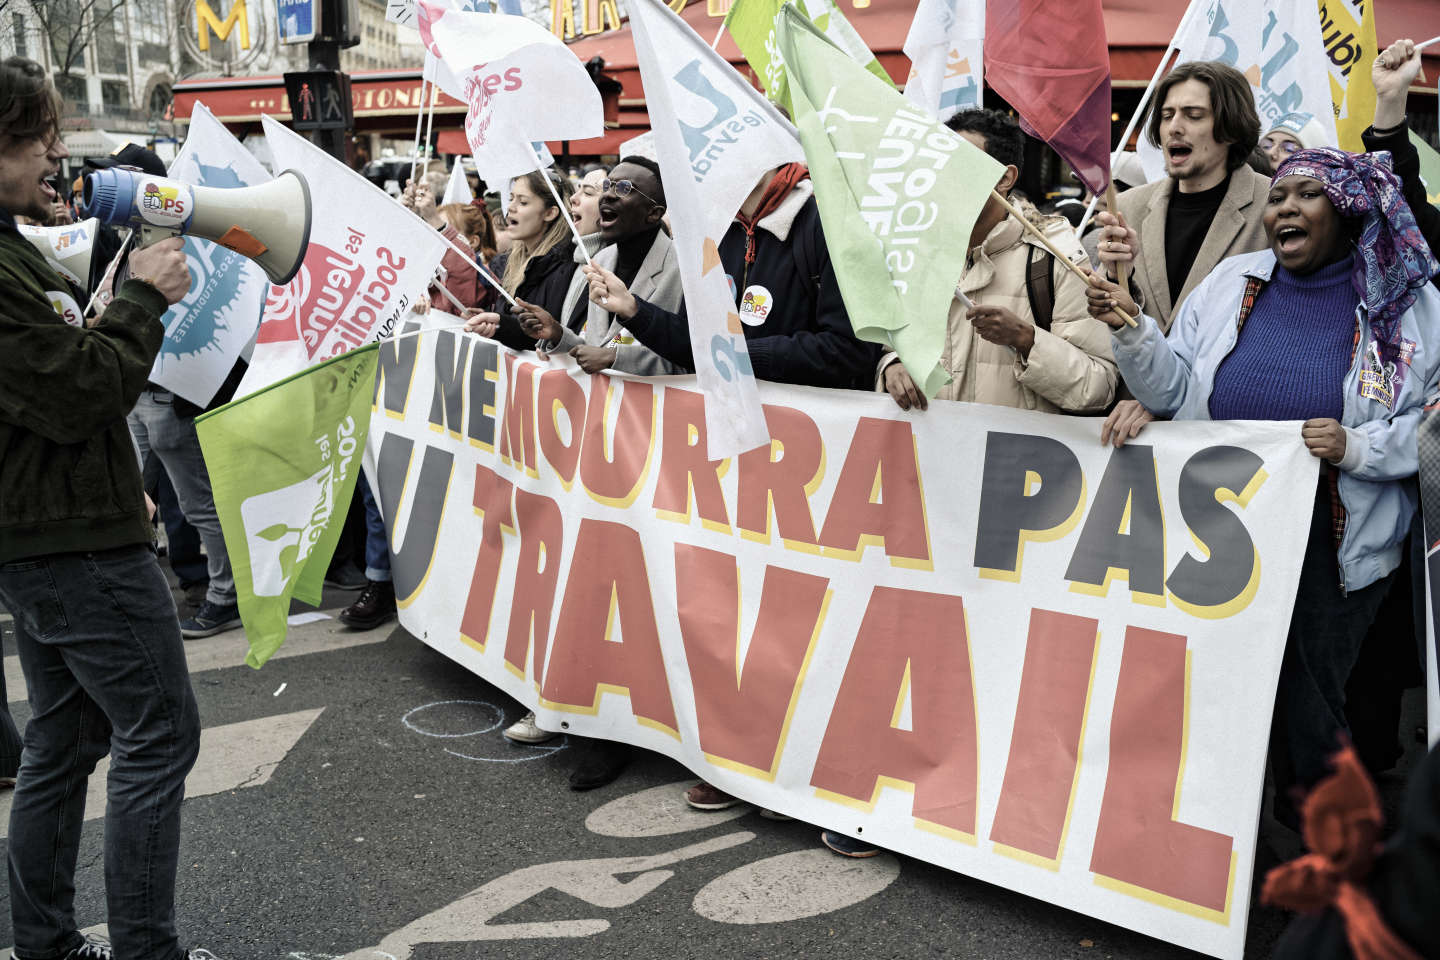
(780, 186)
(1393, 259)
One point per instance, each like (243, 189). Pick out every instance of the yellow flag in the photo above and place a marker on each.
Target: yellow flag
(1348, 29)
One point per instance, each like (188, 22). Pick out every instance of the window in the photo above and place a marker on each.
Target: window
(72, 88)
(109, 33)
(115, 94)
(18, 27)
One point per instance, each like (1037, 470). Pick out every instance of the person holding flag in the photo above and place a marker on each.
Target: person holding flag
(1395, 69)
(1019, 333)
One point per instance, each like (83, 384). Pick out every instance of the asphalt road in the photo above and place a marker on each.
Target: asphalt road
(371, 809)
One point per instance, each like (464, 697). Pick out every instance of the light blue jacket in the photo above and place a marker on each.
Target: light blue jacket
(1173, 377)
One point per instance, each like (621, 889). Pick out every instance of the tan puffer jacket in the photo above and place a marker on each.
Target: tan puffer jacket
(1070, 368)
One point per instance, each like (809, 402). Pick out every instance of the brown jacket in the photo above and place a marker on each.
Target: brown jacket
(1070, 367)
(1235, 229)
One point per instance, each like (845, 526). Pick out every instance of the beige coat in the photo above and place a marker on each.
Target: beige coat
(1235, 229)
(1070, 367)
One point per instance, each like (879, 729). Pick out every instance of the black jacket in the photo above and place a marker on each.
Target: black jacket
(1406, 162)
(69, 478)
(806, 338)
(547, 278)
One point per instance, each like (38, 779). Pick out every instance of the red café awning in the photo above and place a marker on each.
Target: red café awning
(376, 94)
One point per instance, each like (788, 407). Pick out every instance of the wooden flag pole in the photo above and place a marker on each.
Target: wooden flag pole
(564, 210)
(1112, 203)
(1019, 214)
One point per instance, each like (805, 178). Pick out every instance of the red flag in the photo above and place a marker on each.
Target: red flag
(1050, 60)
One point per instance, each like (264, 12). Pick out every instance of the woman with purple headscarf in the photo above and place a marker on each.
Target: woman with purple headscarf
(1336, 326)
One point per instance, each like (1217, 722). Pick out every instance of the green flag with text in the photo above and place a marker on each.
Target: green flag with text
(1429, 168)
(898, 196)
(283, 463)
(752, 25)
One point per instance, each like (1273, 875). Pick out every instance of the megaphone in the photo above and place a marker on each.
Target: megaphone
(67, 249)
(270, 223)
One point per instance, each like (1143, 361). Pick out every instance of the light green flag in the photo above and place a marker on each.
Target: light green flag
(1429, 168)
(752, 24)
(282, 463)
(898, 196)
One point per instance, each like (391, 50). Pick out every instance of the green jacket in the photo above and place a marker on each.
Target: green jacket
(69, 477)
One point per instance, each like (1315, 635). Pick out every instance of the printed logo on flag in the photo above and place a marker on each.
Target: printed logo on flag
(164, 205)
(282, 526)
(335, 298)
(708, 119)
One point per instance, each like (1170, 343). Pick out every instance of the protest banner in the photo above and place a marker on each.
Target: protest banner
(898, 195)
(206, 332)
(752, 26)
(1347, 29)
(368, 261)
(708, 120)
(976, 634)
(1276, 44)
(946, 47)
(282, 463)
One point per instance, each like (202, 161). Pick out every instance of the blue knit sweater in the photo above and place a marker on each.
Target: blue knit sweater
(1290, 360)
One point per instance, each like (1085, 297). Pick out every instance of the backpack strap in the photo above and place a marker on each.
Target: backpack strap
(1040, 288)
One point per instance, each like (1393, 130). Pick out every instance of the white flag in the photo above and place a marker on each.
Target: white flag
(1276, 44)
(715, 136)
(946, 46)
(458, 189)
(369, 259)
(206, 332)
(521, 83)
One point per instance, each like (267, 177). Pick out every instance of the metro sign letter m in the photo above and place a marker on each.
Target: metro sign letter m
(206, 20)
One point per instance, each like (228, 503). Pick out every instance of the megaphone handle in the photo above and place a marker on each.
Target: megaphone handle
(150, 234)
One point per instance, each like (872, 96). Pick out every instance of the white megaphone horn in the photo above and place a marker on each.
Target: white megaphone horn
(67, 249)
(269, 223)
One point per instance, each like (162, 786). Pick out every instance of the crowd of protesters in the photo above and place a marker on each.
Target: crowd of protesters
(1274, 276)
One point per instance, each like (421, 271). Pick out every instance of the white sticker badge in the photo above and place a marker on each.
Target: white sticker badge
(755, 305)
(165, 203)
(66, 307)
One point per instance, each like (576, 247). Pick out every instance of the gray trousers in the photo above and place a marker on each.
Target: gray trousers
(159, 432)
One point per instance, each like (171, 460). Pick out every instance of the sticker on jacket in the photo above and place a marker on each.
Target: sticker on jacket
(66, 306)
(1382, 381)
(755, 306)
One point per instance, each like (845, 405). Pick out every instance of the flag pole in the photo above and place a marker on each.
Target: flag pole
(1422, 46)
(1140, 108)
(1060, 255)
(564, 211)
(430, 123)
(419, 116)
(715, 44)
(1112, 203)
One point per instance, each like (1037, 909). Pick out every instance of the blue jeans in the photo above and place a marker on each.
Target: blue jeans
(189, 564)
(377, 547)
(158, 431)
(105, 666)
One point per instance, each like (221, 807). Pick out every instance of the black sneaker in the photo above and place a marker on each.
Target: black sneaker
(848, 846)
(210, 619)
(345, 577)
(375, 606)
(94, 948)
(599, 762)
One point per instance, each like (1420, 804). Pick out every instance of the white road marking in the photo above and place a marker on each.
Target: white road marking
(228, 649)
(793, 886)
(596, 882)
(657, 812)
(232, 756)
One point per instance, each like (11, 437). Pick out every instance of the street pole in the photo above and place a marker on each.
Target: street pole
(339, 28)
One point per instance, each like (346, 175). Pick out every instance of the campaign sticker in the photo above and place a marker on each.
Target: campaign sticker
(66, 307)
(165, 203)
(755, 306)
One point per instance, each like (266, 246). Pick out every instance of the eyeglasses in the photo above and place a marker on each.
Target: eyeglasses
(623, 188)
(1289, 146)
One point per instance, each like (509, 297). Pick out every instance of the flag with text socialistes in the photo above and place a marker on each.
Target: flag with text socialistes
(898, 196)
(751, 23)
(282, 465)
(715, 136)
(1050, 60)
(369, 259)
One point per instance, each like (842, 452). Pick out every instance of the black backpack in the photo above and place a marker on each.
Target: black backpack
(1040, 288)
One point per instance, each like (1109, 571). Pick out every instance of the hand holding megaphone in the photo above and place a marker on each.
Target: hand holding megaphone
(164, 267)
(270, 223)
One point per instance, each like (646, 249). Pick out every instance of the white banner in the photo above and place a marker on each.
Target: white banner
(1276, 44)
(206, 332)
(975, 634)
(369, 259)
(715, 136)
(946, 46)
